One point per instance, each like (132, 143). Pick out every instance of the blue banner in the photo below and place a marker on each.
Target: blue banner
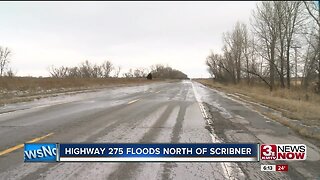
(159, 152)
(40, 152)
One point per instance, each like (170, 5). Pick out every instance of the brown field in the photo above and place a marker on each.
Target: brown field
(294, 103)
(18, 89)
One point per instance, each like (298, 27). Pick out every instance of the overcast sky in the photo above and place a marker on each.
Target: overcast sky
(130, 34)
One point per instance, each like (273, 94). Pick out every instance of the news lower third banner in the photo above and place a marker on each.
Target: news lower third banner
(46, 152)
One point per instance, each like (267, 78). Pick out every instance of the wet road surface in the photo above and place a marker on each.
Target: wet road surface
(153, 113)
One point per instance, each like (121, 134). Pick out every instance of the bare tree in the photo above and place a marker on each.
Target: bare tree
(166, 72)
(236, 54)
(140, 72)
(212, 62)
(128, 74)
(237, 47)
(217, 67)
(292, 22)
(234, 48)
(265, 27)
(107, 67)
(313, 10)
(60, 72)
(246, 50)
(74, 72)
(4, 59)
(97, 71)
(10, 73)
(117, 72)
(229, 64)
(266, 53)
(280, 13)
(310, 62)
(86, 69)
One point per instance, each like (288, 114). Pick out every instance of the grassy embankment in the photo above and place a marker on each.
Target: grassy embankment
(19, 89)
(293, 103)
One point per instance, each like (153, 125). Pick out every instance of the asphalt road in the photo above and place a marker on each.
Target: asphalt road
(157, 112)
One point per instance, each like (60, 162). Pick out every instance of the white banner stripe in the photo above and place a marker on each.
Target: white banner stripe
(113, 159)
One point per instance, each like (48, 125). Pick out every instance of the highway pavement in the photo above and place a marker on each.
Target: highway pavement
(162, 112)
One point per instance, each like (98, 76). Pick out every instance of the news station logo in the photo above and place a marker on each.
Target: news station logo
(43, 152)
(283, 152)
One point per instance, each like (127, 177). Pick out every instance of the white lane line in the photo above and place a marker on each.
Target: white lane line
(133, 101)
(227, 167)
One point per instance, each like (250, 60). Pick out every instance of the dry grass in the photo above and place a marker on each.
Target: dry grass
(303, 130)
(19, 89)
(31, 83)
(293, 103)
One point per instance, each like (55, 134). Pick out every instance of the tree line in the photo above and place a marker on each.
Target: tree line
(282, 42)
(107, 69)
(84, 70)
(87, 69)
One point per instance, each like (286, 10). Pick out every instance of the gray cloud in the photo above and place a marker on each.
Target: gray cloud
(135, 34)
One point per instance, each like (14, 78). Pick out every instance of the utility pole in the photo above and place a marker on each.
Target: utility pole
(296, 62)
